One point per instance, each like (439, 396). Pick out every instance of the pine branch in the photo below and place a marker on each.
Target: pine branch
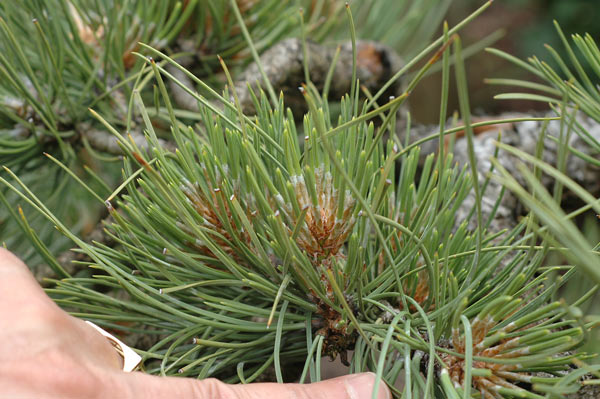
(67, 258)
(104, 141)
(364, 253)
(181, 97)
(284, 65)
(522, 131)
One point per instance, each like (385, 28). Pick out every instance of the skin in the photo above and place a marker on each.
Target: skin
(45, 353)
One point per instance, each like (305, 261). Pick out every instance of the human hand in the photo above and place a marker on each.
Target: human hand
(45, 353)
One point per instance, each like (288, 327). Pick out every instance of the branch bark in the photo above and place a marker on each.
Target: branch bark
(284, 66)
(103, 141)
(524, 136)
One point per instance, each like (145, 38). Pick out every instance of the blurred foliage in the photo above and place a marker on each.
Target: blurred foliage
(526, 25)
(574, 16)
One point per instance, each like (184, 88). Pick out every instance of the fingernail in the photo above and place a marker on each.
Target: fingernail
(360, 386)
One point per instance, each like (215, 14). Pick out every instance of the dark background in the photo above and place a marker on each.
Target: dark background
(527, 26)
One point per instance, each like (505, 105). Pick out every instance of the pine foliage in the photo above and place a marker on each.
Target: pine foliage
(262, 244)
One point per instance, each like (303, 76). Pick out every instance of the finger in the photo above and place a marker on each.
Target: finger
(18, 287)
(33, 315)
(355, 386)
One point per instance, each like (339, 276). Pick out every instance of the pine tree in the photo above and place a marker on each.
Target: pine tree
(226, 235)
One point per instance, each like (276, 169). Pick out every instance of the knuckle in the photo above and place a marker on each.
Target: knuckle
(305, 392)
(144, 385)
(213, 388)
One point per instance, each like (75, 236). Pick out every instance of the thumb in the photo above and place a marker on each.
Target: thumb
(354, 386)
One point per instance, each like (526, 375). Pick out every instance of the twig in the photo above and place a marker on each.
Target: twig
(524, 136)
(103, 141)
(182, 98)
(283, 65)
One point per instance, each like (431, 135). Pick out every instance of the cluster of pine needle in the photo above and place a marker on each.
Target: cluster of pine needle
(259, 243)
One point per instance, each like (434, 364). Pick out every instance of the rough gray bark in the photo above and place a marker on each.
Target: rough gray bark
(524, 136)
(181, 97)
(586, 392)
(103, 141)
(283, 65)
